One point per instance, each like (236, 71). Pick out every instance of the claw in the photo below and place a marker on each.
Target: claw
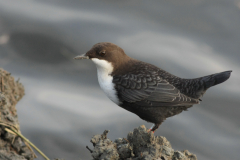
(149, 130)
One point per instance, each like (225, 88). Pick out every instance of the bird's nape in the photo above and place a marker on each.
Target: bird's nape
(144, 89)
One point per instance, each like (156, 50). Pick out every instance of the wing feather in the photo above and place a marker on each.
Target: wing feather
(151, 90)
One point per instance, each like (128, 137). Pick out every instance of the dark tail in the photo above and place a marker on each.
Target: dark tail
(215, 79)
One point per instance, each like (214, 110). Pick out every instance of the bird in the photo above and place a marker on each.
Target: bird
(145, 89)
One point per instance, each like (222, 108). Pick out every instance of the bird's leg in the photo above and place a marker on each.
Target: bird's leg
(154, 127)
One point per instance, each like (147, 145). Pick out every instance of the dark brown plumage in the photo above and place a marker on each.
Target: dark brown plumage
(148, 91)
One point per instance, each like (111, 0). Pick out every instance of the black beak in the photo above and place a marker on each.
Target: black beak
(83, 56)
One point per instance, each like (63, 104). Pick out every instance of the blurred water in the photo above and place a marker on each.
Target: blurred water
(188, 38)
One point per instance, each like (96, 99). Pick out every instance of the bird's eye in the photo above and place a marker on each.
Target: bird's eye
(102, 53)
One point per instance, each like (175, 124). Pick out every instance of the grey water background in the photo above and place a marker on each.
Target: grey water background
(64, 106)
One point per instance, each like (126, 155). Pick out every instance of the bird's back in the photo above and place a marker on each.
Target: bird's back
(193, 88)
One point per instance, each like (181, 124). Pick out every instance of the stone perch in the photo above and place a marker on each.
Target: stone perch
(139, 145)
(12, 147)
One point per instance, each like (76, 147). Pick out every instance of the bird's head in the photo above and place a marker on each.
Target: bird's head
(105, 55)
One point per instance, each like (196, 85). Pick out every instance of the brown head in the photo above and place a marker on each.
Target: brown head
(105, 53)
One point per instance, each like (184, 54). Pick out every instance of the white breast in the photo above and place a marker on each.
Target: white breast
(104, 70)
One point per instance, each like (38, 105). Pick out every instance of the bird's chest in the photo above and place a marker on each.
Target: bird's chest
(106, 83)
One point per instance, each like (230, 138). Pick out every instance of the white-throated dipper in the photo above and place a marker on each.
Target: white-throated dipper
(144, 89)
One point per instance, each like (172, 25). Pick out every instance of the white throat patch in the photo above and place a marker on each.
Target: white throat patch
(104, 70)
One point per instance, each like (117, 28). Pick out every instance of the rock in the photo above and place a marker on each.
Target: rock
(104, 148)
(139, 145)
(11, 145)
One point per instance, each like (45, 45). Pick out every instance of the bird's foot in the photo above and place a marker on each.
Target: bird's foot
(154, 127)
(149, 130)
